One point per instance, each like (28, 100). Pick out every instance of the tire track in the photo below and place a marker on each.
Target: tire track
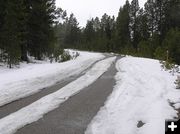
(74, 115)
(18, 104)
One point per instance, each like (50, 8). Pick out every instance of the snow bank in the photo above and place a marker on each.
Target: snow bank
(36, 110)
(31, 78)
(142, 93)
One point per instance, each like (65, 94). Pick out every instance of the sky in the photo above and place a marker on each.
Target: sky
(86, 9)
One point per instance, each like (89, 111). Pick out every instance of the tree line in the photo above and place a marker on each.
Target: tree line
(37, 28)
(152, 31)
(26, 28)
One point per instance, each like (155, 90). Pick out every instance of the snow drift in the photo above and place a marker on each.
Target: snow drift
(142, 94)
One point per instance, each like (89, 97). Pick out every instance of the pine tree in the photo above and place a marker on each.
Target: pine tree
(107, 28)
(22, 27)
(171, 43)
(143, 28)
(145, 47)
(97, 34)
(89, 33)
(171, 15)
(40, 27)
(10, 34)
(122, 27)
(160, 18)
(97, 24)
(2, 14)
(134, 8)
(150, 13)
(72, 32)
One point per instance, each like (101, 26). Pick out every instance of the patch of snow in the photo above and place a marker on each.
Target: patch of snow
(142, 94)
(74, 53)
(31, 78)
(36, 110)
(177, 105)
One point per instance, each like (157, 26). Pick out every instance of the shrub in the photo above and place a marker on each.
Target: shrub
(177, 82)
(145, 49)
(75, 55)
(65, 56)
(161, 53)
(172, 41)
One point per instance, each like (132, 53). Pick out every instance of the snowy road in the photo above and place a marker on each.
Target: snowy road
(73, 116)
(18, 104)
(113, 95)
(32, 108)
(19, 83)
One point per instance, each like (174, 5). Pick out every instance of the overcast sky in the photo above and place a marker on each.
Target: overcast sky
(86, 9)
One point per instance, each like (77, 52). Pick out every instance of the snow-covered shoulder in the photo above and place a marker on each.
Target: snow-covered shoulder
(140, 101)
(30, 78)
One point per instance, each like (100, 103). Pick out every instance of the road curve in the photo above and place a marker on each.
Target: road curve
(18, 104)
(73, 116)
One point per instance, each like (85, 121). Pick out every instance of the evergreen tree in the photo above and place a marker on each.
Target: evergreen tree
(97, 34)
(160, 18)
(22, 27)
(134, 8)
(143, 28)
(171, 15)
(10, 35)
(89, 34)
(122, 35)
(97, 24)
(40, 27)
(171, 43)
(107, 28)
(150, 13)
(2, 14)
(145, 47)
(159, 7)
(72, 32)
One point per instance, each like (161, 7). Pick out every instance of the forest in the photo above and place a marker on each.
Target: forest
(38, 28)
